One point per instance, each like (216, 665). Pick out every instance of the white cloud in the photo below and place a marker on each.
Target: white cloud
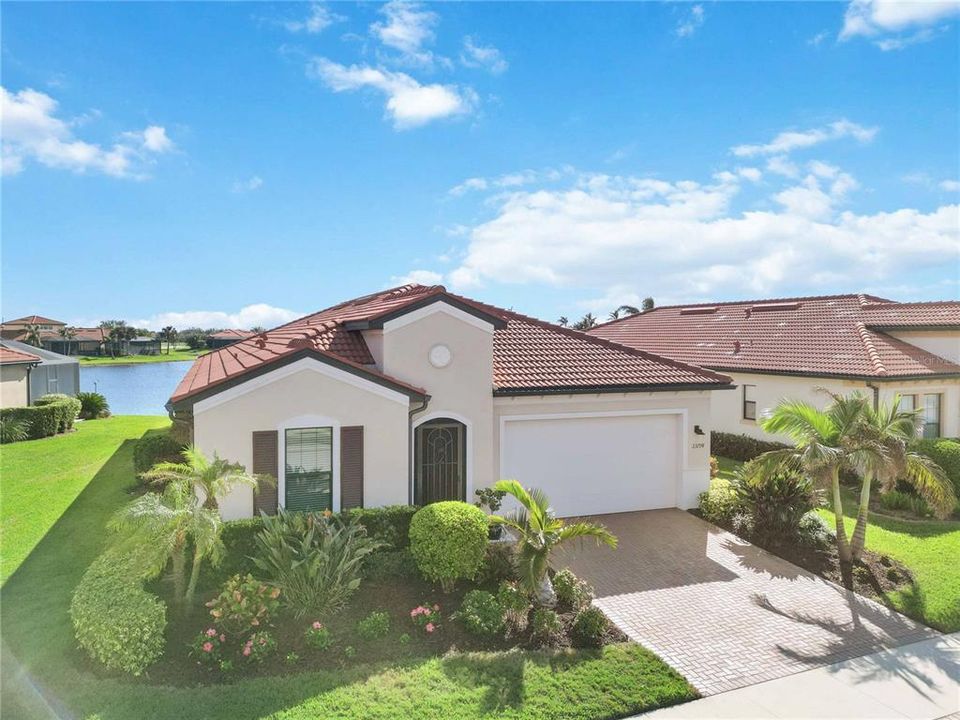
(482, 56)
(925, 180)
(318, 20)
(817, 40)
(409, 103)
(259, 314)
(914, 20)
(685, 239)
(781, 165)
(691, 22)
(421, 277)
(254, 182)
(32, 131)
(950, 185)
(407, 29)
(790, 140)
(510, 180)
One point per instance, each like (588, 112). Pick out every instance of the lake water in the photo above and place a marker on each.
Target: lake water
(134, 389)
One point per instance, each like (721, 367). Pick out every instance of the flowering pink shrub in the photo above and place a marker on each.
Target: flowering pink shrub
(426, 617)
(207, 647)
(260, 645)
(318, 636)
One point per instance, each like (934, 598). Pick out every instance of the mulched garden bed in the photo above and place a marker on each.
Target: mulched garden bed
(873, 577)
(397, 596)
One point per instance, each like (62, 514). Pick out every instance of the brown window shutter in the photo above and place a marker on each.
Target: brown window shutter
(266, 462)
(351, 467)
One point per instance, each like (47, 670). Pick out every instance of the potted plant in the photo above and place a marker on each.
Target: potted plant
(492, 500)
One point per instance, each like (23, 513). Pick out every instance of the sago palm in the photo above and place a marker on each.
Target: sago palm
(211, 478)
(884, 434)
(540, 533)
(821, 447)
(155, 529)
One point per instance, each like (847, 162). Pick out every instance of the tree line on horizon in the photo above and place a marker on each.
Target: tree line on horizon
(590, 321)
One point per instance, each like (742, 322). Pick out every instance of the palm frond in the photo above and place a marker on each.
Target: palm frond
(588, 529)
(931, 483)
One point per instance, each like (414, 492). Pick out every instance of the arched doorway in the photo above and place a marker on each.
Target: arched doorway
(440, 461)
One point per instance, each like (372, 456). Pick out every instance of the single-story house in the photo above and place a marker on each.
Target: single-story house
(55, 373)
(13, 329)
(223, 338)
(414, 395)
(84, 341)
(142, 345)
(791, 347)
(15, 368)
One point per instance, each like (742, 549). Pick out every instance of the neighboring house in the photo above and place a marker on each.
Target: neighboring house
(86, 341)
(227, 337)
(13, 329)
(414, 395)
(15, 368)
(788, 348)
(54, 374)
(142, 345)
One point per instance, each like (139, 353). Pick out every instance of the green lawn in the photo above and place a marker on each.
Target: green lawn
(174, 355)
(930, 549)
(43, 675)
(39, 479)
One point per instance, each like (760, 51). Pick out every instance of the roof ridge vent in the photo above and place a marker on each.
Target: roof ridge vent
(699, 310)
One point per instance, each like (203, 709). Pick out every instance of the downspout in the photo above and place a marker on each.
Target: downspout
(410, 479)
(876, 395)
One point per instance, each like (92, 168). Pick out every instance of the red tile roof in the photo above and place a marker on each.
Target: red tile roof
(9, 356)
(528, 354)
(231, 334)
(33, 320)
(829, 335)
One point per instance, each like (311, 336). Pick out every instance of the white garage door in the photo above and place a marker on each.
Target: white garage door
(594, 465)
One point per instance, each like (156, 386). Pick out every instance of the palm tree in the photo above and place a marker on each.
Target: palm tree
(822, 447)
(647, 304)
(623, 311)
(31, 334)
(258, 329)
(211, 479)
(586, 322)
(888, 430)
(67, 334)
(539, 534)
(169, 333)
(563, 321)
(156, 529)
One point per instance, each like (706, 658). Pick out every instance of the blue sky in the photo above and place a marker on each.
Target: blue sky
(237, 164)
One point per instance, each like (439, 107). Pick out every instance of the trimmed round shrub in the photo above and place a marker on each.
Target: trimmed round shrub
(481, 613)
(448, 540)
(93, 405)
(571, 591)
(154, 447)
(115, 620)
(546, 626)
(589, 628)
(720, 502)
(65, 408)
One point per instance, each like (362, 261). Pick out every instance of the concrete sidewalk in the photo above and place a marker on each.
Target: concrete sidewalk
(919, 681)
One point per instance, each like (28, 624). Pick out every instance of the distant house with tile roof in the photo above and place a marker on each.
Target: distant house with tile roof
(790, 347)
(222, 338)
(14, 329)
(415, 394)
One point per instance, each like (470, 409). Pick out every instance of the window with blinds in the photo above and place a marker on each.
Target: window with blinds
(308, 469)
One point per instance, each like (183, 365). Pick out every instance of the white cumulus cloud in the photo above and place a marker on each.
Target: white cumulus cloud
(319, 18)
(475, 55)
(407, 28)
(32, 131)
(420, 277)
(259, 314)
(409, 103)
(789, 140)
(896, 24)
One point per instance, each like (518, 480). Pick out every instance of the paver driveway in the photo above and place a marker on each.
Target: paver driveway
(723, 612)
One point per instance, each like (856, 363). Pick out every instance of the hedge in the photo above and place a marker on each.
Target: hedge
(154, 447)
(67, 409)
(42, 421)
(389, 525)
(115, 620)
(740, 447)
(449, 540)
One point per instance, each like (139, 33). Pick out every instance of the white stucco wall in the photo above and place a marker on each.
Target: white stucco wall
(945, 343)
(13, 385)
(462, 390)
(727, 407)
(690, 408)
(309, 396)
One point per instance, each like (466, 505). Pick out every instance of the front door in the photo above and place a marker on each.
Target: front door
(308, 469)
(440, 461)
